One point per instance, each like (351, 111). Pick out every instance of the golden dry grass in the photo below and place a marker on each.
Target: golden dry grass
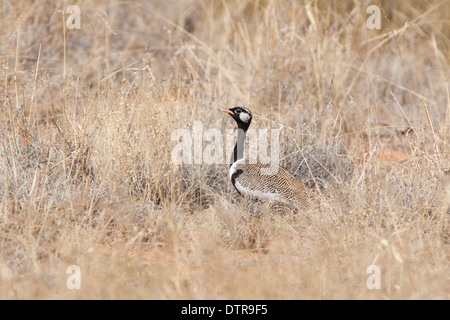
(86, 177)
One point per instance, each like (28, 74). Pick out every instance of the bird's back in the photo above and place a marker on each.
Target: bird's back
(265, 181)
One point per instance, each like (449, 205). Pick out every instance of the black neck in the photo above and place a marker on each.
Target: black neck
(238, 152)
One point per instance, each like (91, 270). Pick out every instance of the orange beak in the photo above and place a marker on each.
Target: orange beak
(227, 111)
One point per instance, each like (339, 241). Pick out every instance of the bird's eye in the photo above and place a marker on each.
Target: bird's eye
(238, 111)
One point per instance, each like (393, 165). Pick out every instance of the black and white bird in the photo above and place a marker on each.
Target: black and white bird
(255, 181)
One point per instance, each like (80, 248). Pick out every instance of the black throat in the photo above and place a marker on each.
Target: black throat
(238, 152)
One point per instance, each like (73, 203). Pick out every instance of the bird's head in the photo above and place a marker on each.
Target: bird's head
(241, 115)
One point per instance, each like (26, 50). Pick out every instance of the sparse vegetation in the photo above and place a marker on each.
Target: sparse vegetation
(86, 177)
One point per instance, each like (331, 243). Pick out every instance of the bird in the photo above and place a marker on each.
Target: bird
(255, 180)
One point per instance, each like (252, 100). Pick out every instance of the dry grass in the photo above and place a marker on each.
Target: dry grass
(86, 176)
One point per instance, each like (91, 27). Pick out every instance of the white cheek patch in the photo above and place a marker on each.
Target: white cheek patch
(244, 117)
